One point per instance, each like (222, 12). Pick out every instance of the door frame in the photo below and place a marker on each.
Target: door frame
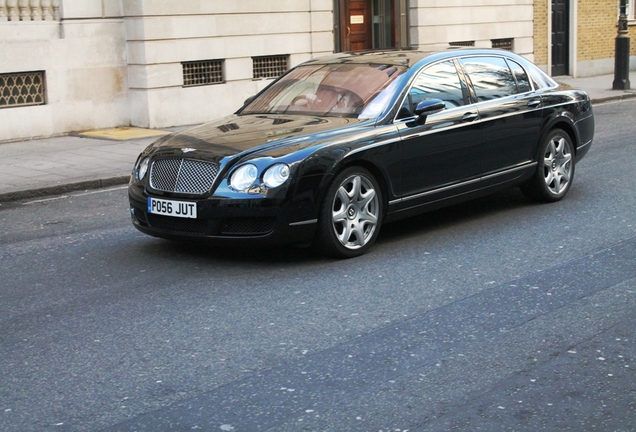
(572, 36)
(400, 20)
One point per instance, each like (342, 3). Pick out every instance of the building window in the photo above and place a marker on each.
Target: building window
(22, 89)
(504, 44)
(462, 44)
(269, 66)
(204, 72)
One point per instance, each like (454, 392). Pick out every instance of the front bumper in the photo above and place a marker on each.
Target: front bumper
(226, 221)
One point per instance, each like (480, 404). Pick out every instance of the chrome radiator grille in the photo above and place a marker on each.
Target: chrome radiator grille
(182, 175)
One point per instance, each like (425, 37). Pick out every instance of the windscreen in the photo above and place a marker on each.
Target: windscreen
(339, 90)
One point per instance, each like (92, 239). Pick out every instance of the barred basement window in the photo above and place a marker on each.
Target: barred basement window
(462, 44)
(504, 44)
(204, 72)
(22, 89)
(269, 66)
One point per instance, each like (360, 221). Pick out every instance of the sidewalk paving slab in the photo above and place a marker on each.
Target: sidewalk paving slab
(51, 166)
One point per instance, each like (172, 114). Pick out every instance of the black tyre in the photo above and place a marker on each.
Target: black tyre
(555, 171)
(350, 216)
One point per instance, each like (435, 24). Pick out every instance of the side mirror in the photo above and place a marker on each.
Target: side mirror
(248, 100)
(428, 107)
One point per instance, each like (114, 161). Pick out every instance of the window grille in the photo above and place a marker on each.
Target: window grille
(269, 66)
(204, 72)
(462, 44)
(504, 44)
(22, 89)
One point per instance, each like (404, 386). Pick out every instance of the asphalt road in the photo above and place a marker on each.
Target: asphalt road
(496, 315)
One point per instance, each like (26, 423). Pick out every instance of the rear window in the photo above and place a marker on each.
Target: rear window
(491, 77)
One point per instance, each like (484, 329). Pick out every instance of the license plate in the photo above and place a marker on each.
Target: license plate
(173, 208)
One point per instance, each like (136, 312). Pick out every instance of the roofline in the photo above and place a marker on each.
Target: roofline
(407, 58)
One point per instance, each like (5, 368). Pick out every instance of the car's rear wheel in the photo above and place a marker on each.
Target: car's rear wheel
(555, 172)
(351, 214)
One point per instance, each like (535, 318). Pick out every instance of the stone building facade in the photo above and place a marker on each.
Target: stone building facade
(73, 65)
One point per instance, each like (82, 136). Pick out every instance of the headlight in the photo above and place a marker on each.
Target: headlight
(142, 169)
(276, 175)
(244, 177)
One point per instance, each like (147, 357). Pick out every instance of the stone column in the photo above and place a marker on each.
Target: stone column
(24, 13)
(46, 10)
(56, 10)
(12, 6)
(35, 10)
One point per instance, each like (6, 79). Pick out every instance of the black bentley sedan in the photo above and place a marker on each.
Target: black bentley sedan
(342, 144)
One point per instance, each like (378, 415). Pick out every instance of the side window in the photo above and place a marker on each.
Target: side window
(523, 83)
(439, 81)
(491, 77)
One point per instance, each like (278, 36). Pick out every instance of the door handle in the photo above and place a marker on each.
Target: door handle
(534, 103)
(470, 117)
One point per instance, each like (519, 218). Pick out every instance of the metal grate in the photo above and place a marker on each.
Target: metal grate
(204, 72)
(248, 226)
(269, 66)
(504, 44)
(167, 223)
(462, 44)
(182, 175)
(22, 89)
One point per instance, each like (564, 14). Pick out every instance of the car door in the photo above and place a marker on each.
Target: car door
(443, 153)
(510, 114)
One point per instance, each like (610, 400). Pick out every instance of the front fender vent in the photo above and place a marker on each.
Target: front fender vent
(186, 176)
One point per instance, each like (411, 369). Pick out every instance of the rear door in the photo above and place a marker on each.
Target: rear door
(510, 113)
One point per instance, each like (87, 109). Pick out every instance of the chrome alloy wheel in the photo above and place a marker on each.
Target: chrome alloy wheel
(555, 168)
(557, 164)
(355, 211)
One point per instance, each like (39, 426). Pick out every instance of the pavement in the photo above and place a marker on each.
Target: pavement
(38, 168)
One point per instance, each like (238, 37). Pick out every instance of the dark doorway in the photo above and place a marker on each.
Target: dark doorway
(371, 24)
(560, 37)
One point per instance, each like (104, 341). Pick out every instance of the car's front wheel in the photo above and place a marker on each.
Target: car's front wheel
(351, 214)
(555, 172)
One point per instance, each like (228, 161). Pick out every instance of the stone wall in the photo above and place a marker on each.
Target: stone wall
(163, 35)
(435, 23)
(83, 58)
(109, 63)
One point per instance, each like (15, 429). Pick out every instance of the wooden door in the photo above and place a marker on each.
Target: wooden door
(560, 37)
(355, 25)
